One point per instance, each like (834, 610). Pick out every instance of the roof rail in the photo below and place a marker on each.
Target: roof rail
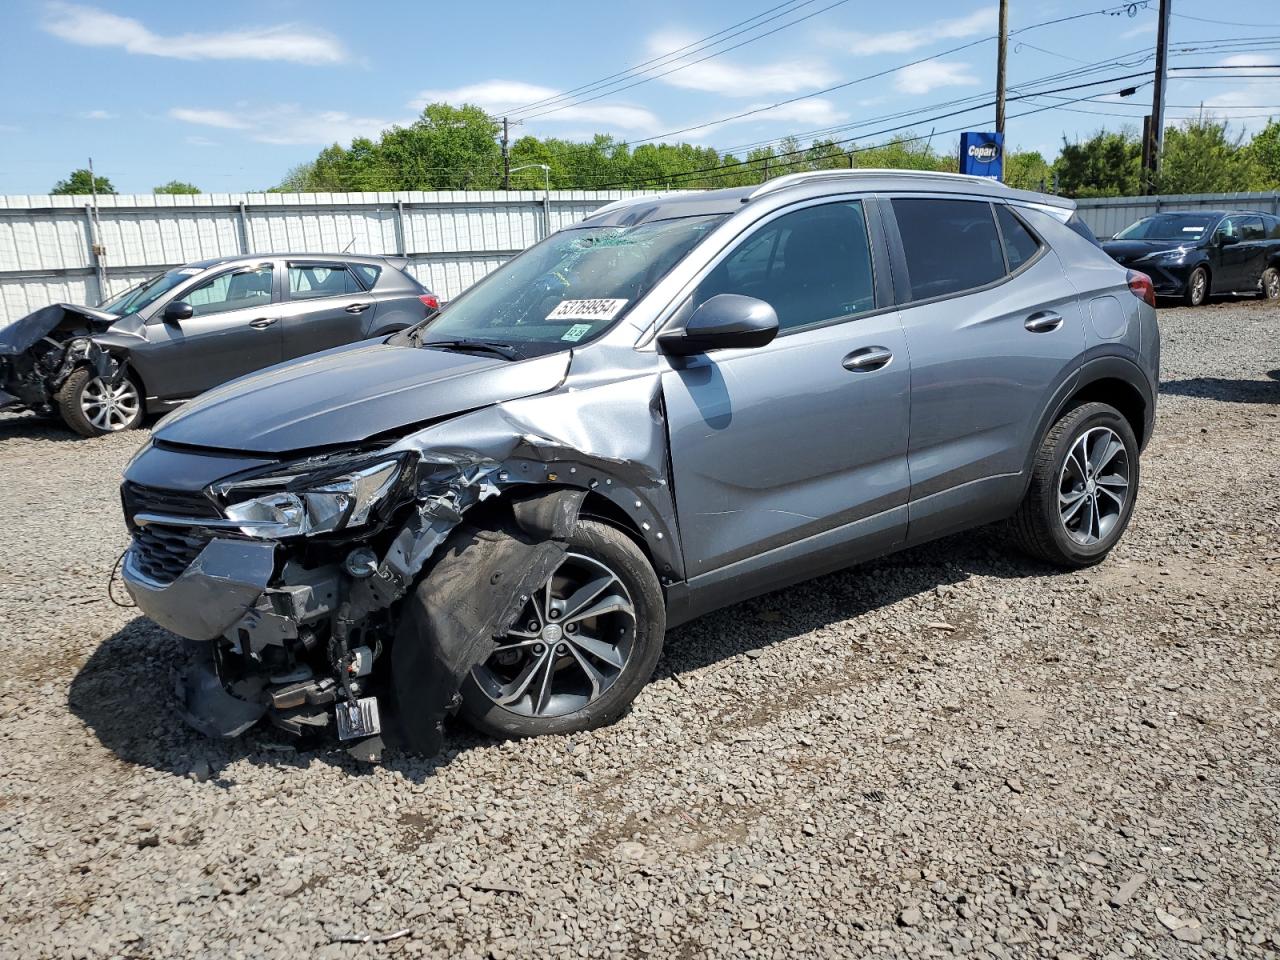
(791, 179)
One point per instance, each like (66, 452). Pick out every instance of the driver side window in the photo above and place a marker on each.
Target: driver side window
(811, 266)
(231, 291)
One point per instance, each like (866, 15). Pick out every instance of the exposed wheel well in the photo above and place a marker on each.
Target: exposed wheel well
(1117, 393)
(605, 510)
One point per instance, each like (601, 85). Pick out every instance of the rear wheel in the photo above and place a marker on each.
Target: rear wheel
(92, 406)
(582, 648)
(1197, 287)
(1083, 487)
(1270, 289)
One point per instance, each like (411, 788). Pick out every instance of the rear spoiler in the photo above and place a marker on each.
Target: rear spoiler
(400, 263)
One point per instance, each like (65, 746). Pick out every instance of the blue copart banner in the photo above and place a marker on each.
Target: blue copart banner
(982, 154)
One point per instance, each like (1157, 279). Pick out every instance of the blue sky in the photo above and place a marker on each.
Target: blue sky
(230, 96)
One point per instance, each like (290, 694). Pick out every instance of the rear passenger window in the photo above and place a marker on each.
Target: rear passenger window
(320, 280)
(369, 274)
(951, 245)
(1019, 245)
(811, 265)
(1273, 228)
(1251, 229)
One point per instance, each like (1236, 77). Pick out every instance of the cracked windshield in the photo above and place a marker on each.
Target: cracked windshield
(568, 289)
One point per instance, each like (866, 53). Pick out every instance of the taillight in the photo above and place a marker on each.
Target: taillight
(432, 302)
(1141, 287)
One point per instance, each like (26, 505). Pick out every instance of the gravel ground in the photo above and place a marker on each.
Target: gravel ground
(951, 751)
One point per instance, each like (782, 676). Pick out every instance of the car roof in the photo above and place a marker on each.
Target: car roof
(383, 261)
(815, 183)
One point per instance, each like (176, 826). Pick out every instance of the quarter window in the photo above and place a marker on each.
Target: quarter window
(1019, 245)
(950, 245)
(321, 280)
(231, 291)
(368, 273)
(810, 265)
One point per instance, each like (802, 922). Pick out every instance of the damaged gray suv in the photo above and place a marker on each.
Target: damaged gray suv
(674, 405)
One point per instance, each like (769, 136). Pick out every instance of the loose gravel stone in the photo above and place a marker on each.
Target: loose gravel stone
(856, 770)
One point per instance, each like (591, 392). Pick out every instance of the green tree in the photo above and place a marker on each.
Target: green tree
(1105, 165)
(82, 182)
(1026, 170)
(447, 148)
(176, 186)
(1266, 153)
(1202, 157)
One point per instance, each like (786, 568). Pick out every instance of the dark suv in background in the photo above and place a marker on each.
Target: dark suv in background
(164, 341)
(1196, 255)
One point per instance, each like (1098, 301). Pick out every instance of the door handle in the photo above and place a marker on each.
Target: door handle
(358, 308)
(262, 323)
(1044, 322)
(868, 358)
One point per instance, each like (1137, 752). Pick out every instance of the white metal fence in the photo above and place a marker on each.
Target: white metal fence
(452, 239)
(48, 253)
(1107, 216)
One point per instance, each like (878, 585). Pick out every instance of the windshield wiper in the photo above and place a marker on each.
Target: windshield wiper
(505, 350)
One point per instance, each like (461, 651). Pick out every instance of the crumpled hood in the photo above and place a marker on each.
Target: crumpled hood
(348, 394)
(19, 336)
(1130, 250)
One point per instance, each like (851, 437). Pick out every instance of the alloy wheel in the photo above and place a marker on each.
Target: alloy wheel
(569, 645)
(1272, 281)
(1093, 487)
(110, 408)
(1199, 285)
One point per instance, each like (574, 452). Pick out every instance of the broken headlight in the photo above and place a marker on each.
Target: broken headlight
(318, 502)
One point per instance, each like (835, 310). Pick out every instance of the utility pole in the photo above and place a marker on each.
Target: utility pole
(506, 156)
(1001, 52)
(1155, 128)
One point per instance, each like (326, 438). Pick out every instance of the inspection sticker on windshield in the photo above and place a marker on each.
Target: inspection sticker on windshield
(576, 332)
(586, 310)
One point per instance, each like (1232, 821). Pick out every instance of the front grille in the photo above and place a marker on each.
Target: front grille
(161, 554)
(176, 503)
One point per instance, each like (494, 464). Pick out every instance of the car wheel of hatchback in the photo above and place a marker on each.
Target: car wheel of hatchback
(1198, 287)
(581, 649)
(1083, 486)
(92, 407)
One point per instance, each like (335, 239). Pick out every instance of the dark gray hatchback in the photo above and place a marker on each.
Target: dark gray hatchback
(182, 332)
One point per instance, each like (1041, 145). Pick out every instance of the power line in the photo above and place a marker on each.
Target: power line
(671, 55)
(683, 66)
(944, 116)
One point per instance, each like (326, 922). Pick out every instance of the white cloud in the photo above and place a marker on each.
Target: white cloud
(99, 115)
(923, 77)
(730, 79)
(813, 112)
(91, 27)
(499, 96)
(210, 118)
(196, 141)
(1257, 63)
(288, 123)
(982, 20)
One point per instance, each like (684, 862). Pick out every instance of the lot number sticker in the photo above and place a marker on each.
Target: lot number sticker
(586, 309)
(576, 332)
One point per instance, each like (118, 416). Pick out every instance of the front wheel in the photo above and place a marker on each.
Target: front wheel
(1270, 288)
(92, 406)
(581, 650)
(1083, 486)
(1197, 287)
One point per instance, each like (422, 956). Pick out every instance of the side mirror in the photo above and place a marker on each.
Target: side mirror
(178, 310)
(1226, 239)
(726, 320)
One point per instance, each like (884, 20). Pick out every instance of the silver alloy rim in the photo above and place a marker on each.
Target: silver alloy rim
(1197, 286)
(1093, 488)
(1273, 284)
(110, 408)
(569, 645)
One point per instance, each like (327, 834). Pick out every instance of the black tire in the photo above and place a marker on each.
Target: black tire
(1197, 287)
(1269, 288)
(1039, 527)
(617, 551)
(71, 405)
